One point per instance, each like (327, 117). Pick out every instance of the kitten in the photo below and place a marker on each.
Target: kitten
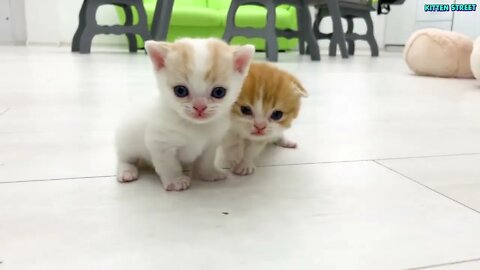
(198, 82)
(267, 105)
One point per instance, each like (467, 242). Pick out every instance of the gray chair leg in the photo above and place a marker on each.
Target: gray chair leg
(271, 35)
(89, 31)
(305, 30)
(370, 35)
(302, 48)
(301, 40)
(350, 42)
(161, 19)
(81, 27)
(316, 23)
(88, 27)
(338, 36)
(230, 23)
(132, 41)
(270, 32)
(142, 22)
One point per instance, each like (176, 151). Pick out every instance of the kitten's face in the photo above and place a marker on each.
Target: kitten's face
(199, 78)
(268, 103)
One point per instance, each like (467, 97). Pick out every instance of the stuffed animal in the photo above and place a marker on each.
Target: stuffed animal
(440, 53)
(475, 59)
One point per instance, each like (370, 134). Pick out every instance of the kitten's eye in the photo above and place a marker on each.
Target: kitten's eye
(180, 91)
(246, 110)
(276, 115)
(218, 92)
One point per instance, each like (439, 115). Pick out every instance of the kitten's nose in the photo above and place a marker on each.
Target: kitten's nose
(200, 108)
(260, 126)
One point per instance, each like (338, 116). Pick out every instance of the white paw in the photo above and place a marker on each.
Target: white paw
(233, 162)
(127, 173)
(244, 168)
(286, 143)
(213, 175)
(177, 184)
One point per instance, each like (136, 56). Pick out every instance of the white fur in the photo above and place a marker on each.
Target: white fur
(166, 135)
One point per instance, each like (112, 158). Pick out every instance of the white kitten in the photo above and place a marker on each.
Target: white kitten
(198, 81)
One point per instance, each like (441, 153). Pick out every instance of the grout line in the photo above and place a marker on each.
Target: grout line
(429, 156)
(4, 111)
(364, 160)
(418, 182)
(374, 159)
(443, 264)
(56, 179)
(313, 163)
(267, 166)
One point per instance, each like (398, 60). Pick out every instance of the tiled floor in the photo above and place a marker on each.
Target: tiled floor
(387, 175)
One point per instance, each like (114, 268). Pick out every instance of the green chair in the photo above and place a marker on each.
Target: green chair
(207, 18)
(270, 31)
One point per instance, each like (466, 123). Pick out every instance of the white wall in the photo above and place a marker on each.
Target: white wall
(55, 22)
(18, 21)
(468, 22)
(42, 22)
(68, 16)
(410, 17)
(6, 34)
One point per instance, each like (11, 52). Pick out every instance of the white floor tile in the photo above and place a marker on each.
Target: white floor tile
(58, 111)
(361, 108)
(455, 176)
(474, 265)
(331, 216)
(53, 155)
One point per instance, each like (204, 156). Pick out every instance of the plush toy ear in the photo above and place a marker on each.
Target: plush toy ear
(242, 56)
(157, 51)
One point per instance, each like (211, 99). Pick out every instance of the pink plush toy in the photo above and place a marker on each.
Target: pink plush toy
(434, 52)
(475, 59)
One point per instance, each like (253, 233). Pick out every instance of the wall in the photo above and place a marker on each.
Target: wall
(42, 21)
(68, 17)
(467, 22)
(55, 22)
(409, 17)
(6, 35)
(18, 21)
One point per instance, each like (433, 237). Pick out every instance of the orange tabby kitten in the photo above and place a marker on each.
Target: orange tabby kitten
(267, 105)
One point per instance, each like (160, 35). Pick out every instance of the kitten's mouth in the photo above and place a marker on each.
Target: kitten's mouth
(258, 133)
(201, 116)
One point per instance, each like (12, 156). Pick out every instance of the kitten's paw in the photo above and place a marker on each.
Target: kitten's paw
(127, 173)
(213, 175)
(286, 143)
(233, 163)
(177, 184)
(244, 168)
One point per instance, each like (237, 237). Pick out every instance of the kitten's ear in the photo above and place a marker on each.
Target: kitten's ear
(298, 87)
(242, 56)
(157, 51)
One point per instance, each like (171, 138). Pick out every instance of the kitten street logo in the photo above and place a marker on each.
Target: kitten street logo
(452, 7)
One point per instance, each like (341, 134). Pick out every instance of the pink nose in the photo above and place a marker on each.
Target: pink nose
(200, 108)
(260, 126)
